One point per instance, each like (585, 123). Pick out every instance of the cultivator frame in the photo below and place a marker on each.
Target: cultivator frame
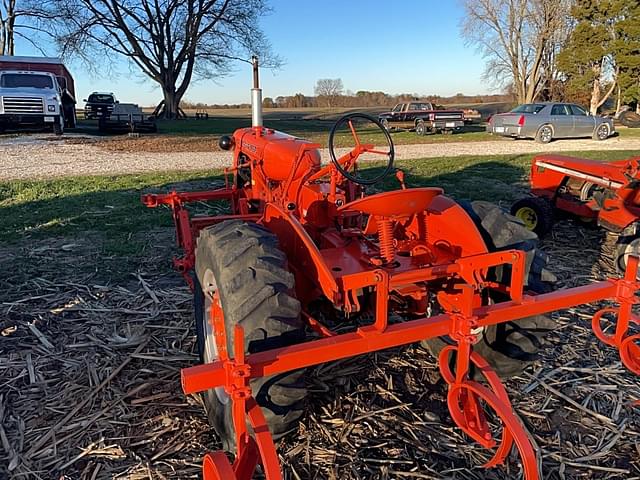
(464, 393)
(427, 246)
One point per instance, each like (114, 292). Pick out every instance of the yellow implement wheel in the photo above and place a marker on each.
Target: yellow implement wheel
(536, 214)
(528, 216)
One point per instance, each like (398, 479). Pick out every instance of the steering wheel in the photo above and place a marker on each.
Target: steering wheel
(344, 163)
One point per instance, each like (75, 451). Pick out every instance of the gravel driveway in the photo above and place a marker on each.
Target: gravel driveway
(42, 156)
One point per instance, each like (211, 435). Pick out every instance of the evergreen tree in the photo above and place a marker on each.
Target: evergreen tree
(588, 60)
(627, 52)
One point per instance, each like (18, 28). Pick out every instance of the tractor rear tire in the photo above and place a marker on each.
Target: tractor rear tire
(242, 262)
(512, 346)
(536, 214)
(630, 119)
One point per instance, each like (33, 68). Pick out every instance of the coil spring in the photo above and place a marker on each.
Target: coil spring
(385, 240)
(424, 226)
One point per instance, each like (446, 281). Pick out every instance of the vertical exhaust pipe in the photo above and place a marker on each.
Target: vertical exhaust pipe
(256, 96)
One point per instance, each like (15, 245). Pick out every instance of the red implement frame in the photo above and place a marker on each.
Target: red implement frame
(465, 397)
(620, 208)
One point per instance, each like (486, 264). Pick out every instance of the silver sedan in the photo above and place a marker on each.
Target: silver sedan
(547, 121)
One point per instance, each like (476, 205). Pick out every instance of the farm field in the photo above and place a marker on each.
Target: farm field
(90, 294)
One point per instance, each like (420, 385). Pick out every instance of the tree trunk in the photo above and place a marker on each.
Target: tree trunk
(595, 96)
(171, 108)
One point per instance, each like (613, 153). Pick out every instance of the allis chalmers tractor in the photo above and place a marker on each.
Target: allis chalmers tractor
(307, 268)
(606, 194)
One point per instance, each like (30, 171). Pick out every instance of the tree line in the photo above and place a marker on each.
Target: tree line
(331, 93)
(566, 50)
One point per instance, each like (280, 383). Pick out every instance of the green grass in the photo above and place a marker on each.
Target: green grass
(101, 219)
(107, 205)
(110, 205)
(628, 132)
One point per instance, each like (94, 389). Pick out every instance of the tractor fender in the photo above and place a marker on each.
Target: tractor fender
(449, 223)
(305, 259)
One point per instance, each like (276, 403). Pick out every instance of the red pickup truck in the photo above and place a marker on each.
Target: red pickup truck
(423, 118)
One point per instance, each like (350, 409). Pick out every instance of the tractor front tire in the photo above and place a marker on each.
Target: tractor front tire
(536, 214)
(239, 265)
(512, 346)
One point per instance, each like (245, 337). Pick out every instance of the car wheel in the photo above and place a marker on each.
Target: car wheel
(601, 132)
(544, 134)
(420, 128)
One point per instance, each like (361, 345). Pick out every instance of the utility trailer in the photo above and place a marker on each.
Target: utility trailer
(30, 104)
(127, 118)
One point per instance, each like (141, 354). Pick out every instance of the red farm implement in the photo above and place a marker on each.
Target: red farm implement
(606, 194)
(306, 269)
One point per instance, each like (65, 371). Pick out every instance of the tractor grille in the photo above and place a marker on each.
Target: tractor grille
(22, 105)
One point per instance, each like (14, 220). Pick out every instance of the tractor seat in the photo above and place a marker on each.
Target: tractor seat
(398, 203)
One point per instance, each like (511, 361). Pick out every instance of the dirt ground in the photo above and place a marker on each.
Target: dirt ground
(45, 156)
(90, 386)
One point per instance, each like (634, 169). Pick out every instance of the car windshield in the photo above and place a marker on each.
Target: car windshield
(528, 108)
(99, 98)
(25, 80)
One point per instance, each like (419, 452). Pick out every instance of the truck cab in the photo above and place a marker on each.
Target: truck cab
(99, 105)
(31, 98)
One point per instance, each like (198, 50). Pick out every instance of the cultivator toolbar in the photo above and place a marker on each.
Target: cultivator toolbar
(304, 248)
(467, 398)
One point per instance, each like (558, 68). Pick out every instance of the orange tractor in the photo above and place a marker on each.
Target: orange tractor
(307, 268)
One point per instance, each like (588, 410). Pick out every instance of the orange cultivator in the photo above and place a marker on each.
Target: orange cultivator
(465, 397)
(304, 250)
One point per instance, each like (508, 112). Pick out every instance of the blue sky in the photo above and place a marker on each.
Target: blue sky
(411, 46)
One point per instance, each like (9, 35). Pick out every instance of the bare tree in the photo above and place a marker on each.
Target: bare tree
(7, 27)
(329, 89)
(517, 38)
(15, 17)
(170, 41)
